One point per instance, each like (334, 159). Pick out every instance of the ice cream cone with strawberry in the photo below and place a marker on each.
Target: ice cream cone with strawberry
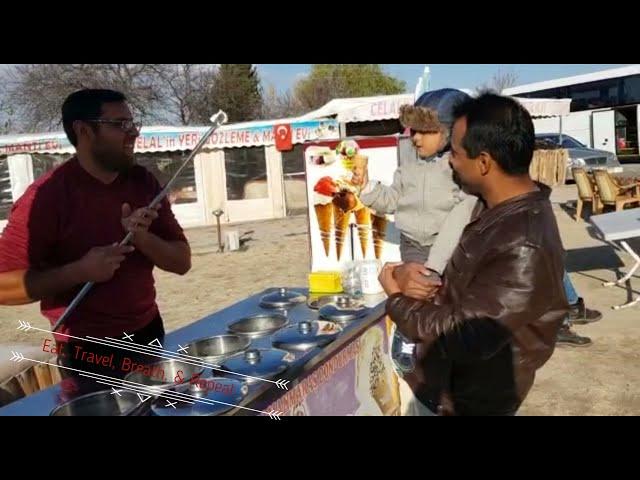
(323, 193)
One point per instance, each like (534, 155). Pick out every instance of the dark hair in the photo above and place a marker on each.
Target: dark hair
(86, 105)
(501, 127)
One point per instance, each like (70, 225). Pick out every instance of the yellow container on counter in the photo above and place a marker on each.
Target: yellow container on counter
(325, 282)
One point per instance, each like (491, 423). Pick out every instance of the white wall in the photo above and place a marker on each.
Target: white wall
(546, 125)
(264, 200)
(193, 214)
(276, 180)
(213, 181)
(211, 167)
(21, 174)
(576, 124)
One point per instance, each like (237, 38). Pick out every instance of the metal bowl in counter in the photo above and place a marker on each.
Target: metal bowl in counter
(216, 348)
(207, 396)
(104, 403)
(317, 302)
(258, 325)
(282, 298)
(164, 373)
(343, 310)
(257, 363)
(306, 335)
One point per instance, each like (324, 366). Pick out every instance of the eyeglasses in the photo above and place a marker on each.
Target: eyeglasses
(124, 125)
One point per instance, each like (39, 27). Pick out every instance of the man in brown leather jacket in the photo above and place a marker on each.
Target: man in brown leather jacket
(495, 320)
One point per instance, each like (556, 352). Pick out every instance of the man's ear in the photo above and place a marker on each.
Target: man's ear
(485, 163)
(81, 129)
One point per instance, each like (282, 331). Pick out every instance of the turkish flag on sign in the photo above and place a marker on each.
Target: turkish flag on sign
(284, 141)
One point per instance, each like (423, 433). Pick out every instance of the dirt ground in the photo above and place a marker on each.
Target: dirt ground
(603, 379)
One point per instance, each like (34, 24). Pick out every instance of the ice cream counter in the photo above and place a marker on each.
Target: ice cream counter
(280, 352)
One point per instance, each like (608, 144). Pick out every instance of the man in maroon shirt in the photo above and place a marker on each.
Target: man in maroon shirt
(64, 231)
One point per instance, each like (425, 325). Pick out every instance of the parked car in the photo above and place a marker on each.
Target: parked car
(580, 155)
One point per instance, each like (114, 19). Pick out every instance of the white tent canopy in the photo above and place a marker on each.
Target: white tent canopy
(386, 107)
(546, 107)
(180, 138)
(362, 109)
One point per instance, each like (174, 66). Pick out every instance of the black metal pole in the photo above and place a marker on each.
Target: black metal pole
(351, 227)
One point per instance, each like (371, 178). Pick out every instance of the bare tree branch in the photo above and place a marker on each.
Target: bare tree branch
(499, 82)
(280, 105)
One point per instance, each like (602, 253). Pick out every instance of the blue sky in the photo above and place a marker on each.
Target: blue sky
(283, 76)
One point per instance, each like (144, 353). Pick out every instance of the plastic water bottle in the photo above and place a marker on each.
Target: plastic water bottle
(351, 282)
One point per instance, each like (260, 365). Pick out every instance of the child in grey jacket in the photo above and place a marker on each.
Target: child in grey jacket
(424, 195)
(430, 208)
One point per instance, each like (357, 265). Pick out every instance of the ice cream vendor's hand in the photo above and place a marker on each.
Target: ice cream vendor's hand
(100, 263)
(386, 279)
(140, 220)
(415, 281)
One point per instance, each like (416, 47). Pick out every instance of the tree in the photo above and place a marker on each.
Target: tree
(237, 91)
(500, 82)
(158, 93)
(6, 112)
(36, 91)
(328, 81)
(280, 105)
(187, 91)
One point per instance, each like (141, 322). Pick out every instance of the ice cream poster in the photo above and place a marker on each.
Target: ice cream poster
(342, 228)
(359, 380)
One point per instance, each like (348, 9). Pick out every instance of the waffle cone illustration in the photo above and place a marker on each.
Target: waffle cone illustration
(379, 228)
(324, 214)
(342, 227)
(381, 390)
(382, 387)
(363, 219)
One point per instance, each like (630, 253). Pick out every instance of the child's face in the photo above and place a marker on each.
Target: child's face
(427, 144)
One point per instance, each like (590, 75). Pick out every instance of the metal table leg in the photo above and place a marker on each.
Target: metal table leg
(622, 280)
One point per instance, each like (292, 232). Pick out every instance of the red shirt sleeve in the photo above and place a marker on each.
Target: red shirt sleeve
(27, 240)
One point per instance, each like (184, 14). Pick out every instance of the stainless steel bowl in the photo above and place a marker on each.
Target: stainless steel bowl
(104, 403)
(315, 303)
(164, 373)
(213, 349)
(209, 396)
(258, 325)
(282, 299)
(343, 311)
(306, 335)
